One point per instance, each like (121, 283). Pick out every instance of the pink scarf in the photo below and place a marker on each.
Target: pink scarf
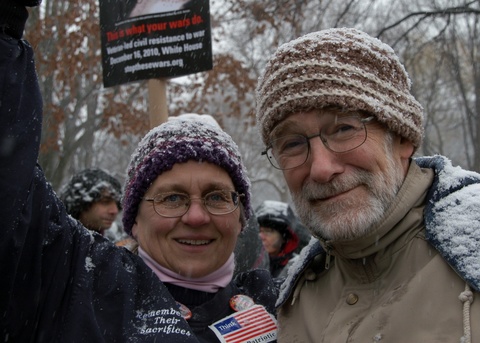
(210, 283)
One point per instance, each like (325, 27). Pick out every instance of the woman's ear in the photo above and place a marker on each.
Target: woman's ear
(135, 230)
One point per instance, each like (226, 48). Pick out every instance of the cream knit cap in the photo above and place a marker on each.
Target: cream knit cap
(341, 67)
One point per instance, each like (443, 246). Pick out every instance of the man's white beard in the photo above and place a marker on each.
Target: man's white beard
(349, 218)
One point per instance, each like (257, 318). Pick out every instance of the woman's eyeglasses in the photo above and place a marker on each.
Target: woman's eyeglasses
(173, 204)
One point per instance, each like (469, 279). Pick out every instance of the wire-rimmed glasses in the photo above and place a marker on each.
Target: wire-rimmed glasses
(175, 204)
(340, 135)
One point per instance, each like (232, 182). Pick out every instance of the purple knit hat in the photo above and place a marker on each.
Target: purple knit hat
(178, 141)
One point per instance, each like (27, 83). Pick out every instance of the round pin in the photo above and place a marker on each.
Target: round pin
(241, 302)
(184, 311)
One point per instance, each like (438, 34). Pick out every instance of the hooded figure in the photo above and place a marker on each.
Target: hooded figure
(276, 220)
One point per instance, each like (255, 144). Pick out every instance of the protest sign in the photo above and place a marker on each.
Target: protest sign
(147, 39)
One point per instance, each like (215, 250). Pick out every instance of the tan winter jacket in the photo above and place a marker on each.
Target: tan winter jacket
(392, 286)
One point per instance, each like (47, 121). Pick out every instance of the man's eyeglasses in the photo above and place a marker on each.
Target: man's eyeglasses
(341, 135)
(172, 204)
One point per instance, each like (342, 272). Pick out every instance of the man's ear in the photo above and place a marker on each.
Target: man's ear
(406, 148)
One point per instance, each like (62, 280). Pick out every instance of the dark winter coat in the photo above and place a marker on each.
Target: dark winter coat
(406, 281)
(208, 309)
(60, 282)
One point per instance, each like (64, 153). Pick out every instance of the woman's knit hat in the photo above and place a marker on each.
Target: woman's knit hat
(340, 67)
(184, 138)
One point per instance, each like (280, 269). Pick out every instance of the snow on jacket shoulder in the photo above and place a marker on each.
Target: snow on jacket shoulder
(452, 217)
(60, 282)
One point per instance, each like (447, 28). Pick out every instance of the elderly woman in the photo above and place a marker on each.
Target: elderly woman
(186, 201)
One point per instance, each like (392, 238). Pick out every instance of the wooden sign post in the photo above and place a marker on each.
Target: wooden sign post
(157, 100)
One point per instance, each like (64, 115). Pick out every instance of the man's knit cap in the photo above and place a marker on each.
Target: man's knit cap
(339, 67)
(188, 137)
(88, 186)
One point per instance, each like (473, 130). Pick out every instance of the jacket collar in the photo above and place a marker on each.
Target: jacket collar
(452, 217)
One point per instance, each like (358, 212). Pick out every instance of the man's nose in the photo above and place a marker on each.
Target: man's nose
(323, 163)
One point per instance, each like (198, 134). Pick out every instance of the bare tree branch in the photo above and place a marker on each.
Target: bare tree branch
(439, 13)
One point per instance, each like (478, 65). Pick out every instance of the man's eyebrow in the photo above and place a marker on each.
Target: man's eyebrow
(285, 127)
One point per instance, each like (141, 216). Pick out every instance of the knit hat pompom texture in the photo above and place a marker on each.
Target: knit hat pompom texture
(340, 67)
(178, 141)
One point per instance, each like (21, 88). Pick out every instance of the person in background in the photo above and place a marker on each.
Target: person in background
(278, 236)
(187, 200)
(61, 282)
(396, 253)
(94, 198)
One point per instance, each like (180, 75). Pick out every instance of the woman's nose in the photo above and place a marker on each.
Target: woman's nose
(196, 214)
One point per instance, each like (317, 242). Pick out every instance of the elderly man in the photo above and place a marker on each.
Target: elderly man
(396, 253)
